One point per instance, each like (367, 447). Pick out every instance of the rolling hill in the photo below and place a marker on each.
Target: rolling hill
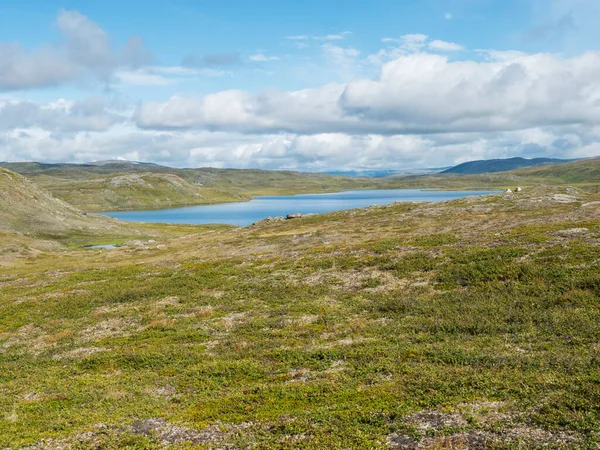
(30, 210)
(501, 165)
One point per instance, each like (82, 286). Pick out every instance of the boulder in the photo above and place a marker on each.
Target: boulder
(293, 216)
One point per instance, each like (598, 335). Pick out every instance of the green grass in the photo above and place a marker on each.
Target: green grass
(332, 331)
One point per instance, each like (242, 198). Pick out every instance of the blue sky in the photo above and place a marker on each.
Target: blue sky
(311, 85)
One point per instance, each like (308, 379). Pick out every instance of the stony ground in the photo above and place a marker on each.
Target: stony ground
(466, 324)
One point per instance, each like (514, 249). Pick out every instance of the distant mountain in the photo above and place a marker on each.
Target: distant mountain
(502, 165)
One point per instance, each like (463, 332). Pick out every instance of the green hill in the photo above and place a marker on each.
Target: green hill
(501, 165)
(30, 210)
(122, 191)
(583, 171)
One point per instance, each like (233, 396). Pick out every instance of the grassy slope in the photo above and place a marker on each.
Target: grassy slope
(462, 324)
(131, 191)
(33, 221)
(26, 208)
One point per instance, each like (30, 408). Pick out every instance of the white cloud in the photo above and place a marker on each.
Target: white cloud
(91, 114)
(261, 57)
(340, 55)
(142, 78)
(334, 37)
(328, 37)
(408, 42)
(166, 75)
(84, 51)
(417, 93)
(444, 46)
(448, 16)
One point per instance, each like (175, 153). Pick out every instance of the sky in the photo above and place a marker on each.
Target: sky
(304, 85)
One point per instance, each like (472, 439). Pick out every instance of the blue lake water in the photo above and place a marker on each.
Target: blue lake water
(245, 213)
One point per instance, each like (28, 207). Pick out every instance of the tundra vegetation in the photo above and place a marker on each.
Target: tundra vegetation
(473, 323)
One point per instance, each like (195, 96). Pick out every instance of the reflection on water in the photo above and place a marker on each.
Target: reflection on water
(102, 247)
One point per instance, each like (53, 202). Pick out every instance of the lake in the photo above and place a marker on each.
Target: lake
(246, 213)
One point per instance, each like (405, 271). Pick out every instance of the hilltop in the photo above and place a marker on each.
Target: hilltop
(501, 165)
(138, 190)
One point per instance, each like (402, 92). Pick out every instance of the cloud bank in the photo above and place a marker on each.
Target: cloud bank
(426, 102)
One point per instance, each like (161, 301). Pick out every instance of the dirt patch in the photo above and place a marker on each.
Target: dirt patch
(434, 420)
(305, 319)
(169, 434)
(157, 429)
(117, 327)
(563, 198)
(49, 295)
(571, 232)
(79, 353)
(495, 425)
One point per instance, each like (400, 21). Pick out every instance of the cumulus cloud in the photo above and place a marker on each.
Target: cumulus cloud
(418, 93)
(91, 114)
(261, 57)
(84, 50)
(165, 75)
(300, 37)
(444, 46)
(411, 43)
(340, 55)
(327, 37)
